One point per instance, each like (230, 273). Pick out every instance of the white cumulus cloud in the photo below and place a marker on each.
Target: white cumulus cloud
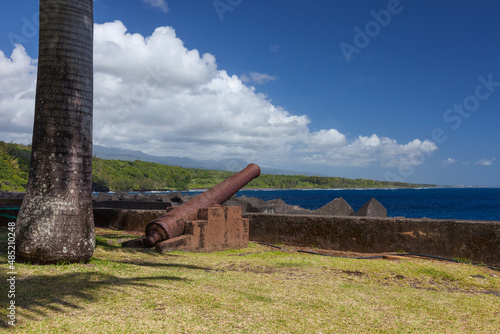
(159, 4)
(257, 78)
(364, 151)
(155, 95)
(484, 162)
(449, 161)
(17, 95)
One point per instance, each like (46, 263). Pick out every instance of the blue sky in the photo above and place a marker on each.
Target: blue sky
(389, 90)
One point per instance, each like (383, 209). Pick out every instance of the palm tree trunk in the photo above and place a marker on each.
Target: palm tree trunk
(55, 222)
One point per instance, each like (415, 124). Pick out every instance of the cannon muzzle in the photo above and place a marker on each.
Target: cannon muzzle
(171, 224)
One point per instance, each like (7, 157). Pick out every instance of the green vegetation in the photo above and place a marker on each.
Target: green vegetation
(253, 290)
(14, 166)
(302, 181)
(140, 175)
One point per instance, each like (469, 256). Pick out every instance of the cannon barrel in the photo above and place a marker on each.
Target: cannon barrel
(171, 224)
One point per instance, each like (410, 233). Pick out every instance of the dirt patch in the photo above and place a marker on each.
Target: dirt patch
(356, 255)
(244, 267)
(336, 253)
(113, 232)
(353, 273)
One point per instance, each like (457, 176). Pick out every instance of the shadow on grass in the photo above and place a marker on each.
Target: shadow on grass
(42, 294)
(113, 242)
(159, 264)
(39, 295)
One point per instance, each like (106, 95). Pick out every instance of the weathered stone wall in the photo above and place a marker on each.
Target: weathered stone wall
(477, 241)
(128, 220)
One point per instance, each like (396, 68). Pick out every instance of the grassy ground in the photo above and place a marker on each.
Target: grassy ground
(253, 290)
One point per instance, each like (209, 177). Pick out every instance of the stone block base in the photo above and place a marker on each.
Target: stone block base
(214, 229)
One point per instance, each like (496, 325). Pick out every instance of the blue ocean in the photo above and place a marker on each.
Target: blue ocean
(441, 203)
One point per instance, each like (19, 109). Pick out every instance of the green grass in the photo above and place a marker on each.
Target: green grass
(253, 290)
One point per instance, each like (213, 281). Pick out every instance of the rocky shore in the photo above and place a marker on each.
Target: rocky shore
(337, 207)
(160, 201)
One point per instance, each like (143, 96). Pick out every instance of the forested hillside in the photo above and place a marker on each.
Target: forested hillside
(139, 175)
(14, 166)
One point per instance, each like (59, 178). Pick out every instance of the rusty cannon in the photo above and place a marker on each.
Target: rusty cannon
(172, 224)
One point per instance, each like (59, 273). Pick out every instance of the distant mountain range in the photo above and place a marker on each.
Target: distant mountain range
(234, 165)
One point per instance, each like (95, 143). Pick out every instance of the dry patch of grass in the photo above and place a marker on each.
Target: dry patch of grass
(254, 290)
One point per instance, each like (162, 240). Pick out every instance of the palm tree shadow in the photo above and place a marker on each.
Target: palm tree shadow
(38, 295)
(162, 264)
(112, 242)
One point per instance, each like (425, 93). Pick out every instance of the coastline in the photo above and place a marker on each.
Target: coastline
(464, 203)
(334, 189)
(16, 194)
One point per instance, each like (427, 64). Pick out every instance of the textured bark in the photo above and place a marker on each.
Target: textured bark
(55, 222)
